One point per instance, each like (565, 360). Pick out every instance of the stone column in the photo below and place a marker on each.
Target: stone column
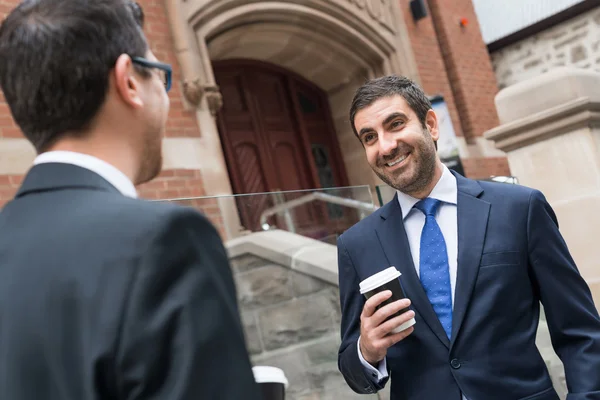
(550, 129)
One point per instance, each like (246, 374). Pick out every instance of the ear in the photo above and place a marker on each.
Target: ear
(431, 122)
(127, 84)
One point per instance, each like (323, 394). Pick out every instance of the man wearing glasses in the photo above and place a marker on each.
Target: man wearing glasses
(103, 296)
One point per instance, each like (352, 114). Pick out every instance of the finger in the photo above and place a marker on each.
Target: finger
(388, 341)
(388, 326)
(389, 309)
(371, 305)
(397, 337)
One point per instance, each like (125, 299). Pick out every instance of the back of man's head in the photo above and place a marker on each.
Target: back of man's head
(55, 61)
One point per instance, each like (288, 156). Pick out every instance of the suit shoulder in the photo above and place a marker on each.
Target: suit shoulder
(508, 192)
(163, 208)
(150, 216)
(178, 214)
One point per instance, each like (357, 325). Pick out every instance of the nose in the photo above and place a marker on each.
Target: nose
(387, 144)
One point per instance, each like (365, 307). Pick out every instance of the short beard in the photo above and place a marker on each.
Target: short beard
(150, 170)
(151, 162)
(425, 173)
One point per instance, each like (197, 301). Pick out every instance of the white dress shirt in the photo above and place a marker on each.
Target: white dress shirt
(110, 173)
(447, 192)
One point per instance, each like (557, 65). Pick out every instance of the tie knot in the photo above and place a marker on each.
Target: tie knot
(428, 206)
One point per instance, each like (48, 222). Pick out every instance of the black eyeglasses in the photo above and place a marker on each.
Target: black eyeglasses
(166, 69)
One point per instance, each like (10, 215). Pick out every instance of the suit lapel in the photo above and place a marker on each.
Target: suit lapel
(472, 220)
(393, 239)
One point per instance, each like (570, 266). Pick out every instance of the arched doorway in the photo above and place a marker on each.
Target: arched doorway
(336, 44)
(277, 135)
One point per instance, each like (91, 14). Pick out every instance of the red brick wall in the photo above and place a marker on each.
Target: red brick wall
(8, 128)
(178, 183)
(454, 62)
(181, 122)
(183, 186)
(468, 85)
(8, 186)
(430, 61)
(173, 184)
(467, 63)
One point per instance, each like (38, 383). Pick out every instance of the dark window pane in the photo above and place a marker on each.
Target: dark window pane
(307, 105)
(322, 162)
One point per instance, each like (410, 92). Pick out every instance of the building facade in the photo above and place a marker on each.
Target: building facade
(262, 91)
(573, 43)
(526, 39)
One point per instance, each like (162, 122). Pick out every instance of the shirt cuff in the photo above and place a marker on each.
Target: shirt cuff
(377, 374)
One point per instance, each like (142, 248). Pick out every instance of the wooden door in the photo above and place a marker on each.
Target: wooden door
(277, 135)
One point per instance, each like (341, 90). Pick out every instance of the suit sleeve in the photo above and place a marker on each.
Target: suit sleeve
(570, 311)
(181, 335)
(352, 303)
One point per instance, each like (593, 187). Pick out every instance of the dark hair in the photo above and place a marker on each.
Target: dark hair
(388, 86)
(55, 61)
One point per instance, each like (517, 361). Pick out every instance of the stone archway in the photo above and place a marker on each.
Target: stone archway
(336, 44)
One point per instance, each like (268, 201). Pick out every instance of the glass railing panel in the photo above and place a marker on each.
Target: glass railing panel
(384, 194)
(321, 214)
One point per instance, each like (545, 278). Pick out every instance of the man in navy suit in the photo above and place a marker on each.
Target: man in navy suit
(476, 259)
(104, 296)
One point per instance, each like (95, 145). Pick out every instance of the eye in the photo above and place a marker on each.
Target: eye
(369, 137)
(397, 124)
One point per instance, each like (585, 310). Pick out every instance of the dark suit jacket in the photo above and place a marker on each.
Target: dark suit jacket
(511, 256)
(108, 297)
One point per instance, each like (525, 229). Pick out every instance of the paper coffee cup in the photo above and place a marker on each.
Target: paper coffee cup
(272, 382)
(388, 279)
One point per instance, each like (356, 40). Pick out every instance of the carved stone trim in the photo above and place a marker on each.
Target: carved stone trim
(214, 99)
(194, 92)
(573, 115)
(379, 11)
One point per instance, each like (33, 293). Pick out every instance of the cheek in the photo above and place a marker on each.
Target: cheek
(161, 107)
(167, 101)
(371, 154)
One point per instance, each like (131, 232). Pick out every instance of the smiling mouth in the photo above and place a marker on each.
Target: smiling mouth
(397, 160)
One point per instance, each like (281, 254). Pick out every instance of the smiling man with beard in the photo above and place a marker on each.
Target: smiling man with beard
(102, 295)
(476, 258)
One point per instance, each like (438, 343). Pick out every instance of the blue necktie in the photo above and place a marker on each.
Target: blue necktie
(433, 264)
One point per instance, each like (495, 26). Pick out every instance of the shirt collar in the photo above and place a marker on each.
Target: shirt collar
(115, 177)
(445, 190)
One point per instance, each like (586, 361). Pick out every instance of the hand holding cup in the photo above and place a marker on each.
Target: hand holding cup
(385, 319)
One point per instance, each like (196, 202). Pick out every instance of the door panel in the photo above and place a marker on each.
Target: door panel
(316, 117)
(277, 135)
(287, 162)
(233, 93)
(325, 152)
(280, 130)
(254, 181)
(252, 174)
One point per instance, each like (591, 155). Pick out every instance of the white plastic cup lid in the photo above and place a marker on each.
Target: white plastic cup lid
(264, 374)
(380, 278)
